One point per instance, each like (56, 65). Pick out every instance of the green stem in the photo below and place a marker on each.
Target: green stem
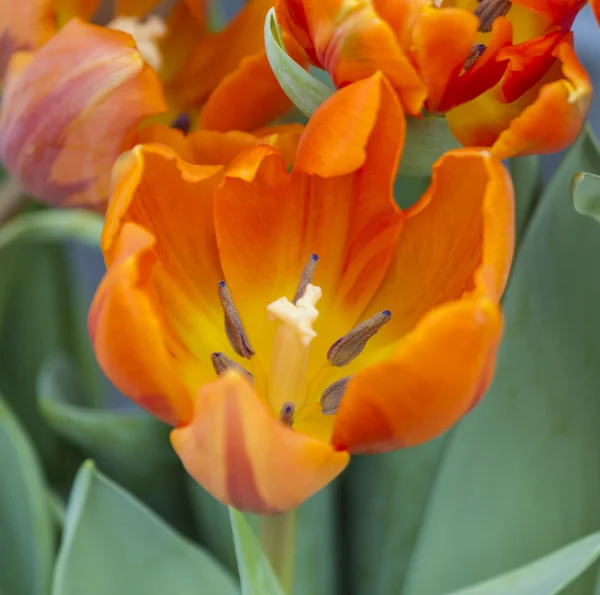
(277, 537)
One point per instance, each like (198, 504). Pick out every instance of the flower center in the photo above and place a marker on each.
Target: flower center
(146, 34)
(287, 382)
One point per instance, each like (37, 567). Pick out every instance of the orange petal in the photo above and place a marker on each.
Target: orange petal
(135, 7)
(337, 205)
(263, 98)
(241, 455)
(560, 13)
(131, 342)
(24, 26)
(216, 55)
(440, 343)
(67, 9)
(468, 209)
(63, 151)
(595, 4)
(209, 147)
(173, 200)
(439, 370)
(521, 127)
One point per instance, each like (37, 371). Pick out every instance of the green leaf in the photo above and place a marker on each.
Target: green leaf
(304, 90)
(256, 575)
(316, 541)
(113, 544)
(518, 479)
(128, 444)
(526, 173)
(37, 319)
(53, 226)
(426, 141)
(546, 576)
(585, 192)
(26, 532)
(387, 498)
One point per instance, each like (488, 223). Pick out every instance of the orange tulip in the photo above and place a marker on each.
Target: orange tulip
(496, 68)
(71, 107)
(596, 9)
(282, 321)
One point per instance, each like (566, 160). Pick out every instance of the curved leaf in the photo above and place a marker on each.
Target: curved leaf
(26, 532)
(546, 576)
(113, 544)
(585, 192)
(256, 575)
(518, 478)
(128, 444)
(304, 90)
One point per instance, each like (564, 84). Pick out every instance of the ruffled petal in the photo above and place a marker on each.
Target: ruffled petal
(63, 151)
(245, 458)
(562, 96)
(337, 203)
(132, 342)
(436, 354)
(216, 55)
(173, 201)
(210, 147)
(433, 378)
(352, 42)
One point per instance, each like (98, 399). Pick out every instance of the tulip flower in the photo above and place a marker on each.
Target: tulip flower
(71, 107)
(499, 70)
(282, 321)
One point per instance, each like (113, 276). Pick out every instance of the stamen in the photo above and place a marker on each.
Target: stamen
(182, 122)
(344, 350)
(476, 50)
(233, 325)
(286, 415)
(332, 396)
(221, 363)
(306, 277)
(488, 11)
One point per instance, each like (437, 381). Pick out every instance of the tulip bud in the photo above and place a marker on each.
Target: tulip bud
(68, 110)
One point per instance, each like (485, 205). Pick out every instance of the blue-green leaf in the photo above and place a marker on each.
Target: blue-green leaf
(585, 192)
(304, 90)
(526, 173)
(426, 141)
(53, 226)
(113, 544)
(256, 575)
(129, 445)
(26, 532)
(546, 576)
(518, 479)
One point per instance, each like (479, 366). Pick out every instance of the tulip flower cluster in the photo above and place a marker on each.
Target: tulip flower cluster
(265, 295)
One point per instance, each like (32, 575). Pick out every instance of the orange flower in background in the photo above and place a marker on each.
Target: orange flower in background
(282, 321)
(497, 69)
(70, 108)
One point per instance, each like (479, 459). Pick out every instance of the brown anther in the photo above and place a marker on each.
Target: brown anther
(306, 277)
(488, 11)
(332, 396)
(221, 364)
(181, 122)
(344, 350)
(286, 415)
(476, 50)
(233, 325)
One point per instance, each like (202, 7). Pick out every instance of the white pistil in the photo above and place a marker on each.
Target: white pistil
(287, 381)
(146, 35)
